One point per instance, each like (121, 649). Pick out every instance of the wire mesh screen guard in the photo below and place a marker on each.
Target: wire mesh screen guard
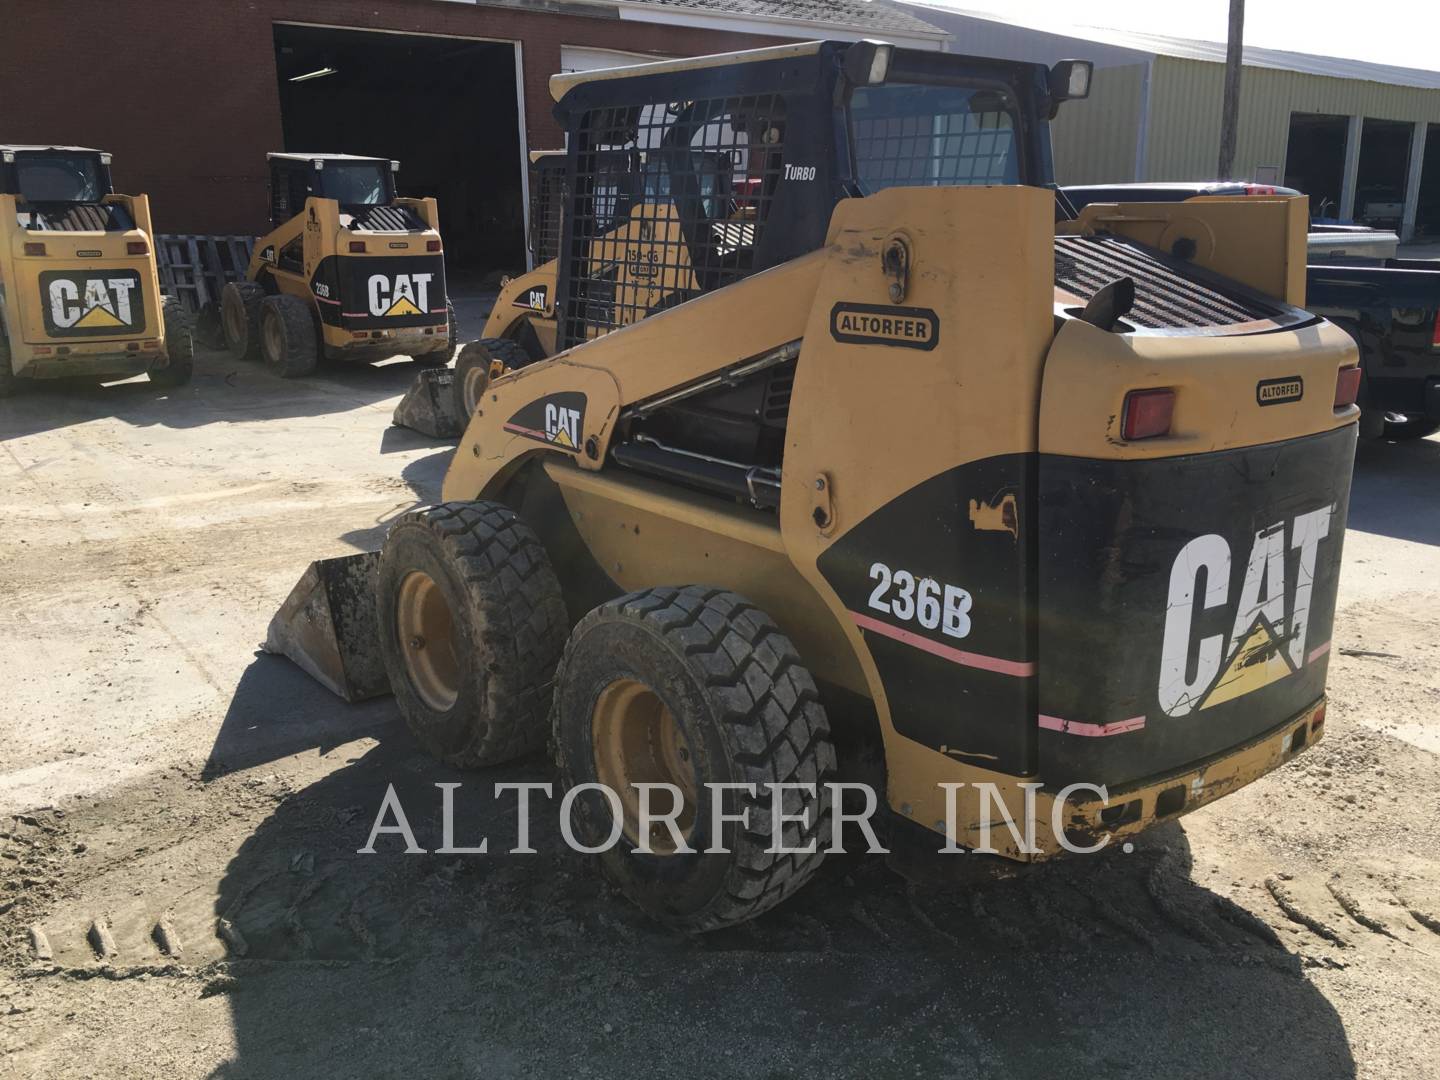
(912, 136)
(670, 201)
(547, 210)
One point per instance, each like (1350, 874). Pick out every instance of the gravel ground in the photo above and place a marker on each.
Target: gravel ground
(158, 773)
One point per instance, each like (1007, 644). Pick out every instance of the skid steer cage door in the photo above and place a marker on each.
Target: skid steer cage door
(1186, 602)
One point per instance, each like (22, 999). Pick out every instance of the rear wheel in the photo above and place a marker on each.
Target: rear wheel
(179, 344)
(693, 687)
(473, 370)
(240, 318)
(440, 357)
(472, 625)
(287, 336)
(9, 383)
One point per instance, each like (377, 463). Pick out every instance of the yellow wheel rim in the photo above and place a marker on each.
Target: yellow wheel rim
(473, 387)
(427, 640)
(636, 741)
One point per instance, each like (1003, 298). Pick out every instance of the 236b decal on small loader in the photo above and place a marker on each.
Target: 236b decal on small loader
(79, 292)
(349, 271)
(875, 461)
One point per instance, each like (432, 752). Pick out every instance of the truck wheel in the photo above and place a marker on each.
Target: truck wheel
(179, 344)
(472, 370)
(472, 624)
(10, 383)
(693, 686)
(240, 318)
(1412, 427)
(287, 336)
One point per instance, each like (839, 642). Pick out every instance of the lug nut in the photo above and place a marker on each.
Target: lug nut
(417, 642)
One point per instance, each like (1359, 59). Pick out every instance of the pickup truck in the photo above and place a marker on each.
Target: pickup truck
(1390, 306)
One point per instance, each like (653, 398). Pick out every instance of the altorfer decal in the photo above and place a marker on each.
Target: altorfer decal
(878, 324)
(1279, 391)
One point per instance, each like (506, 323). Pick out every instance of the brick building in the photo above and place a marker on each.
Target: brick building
(189, 95)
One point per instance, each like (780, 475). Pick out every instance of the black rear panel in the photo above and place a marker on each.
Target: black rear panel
(1185, 603)
(367, 293)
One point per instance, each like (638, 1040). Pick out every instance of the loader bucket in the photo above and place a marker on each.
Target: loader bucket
(328, 626)
(429, 405)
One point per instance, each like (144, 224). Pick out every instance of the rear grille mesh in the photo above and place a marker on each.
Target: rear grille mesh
(73, 217)
(385, 219)
(1163, 298)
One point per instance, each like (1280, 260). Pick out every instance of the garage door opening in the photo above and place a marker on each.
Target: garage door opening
(1427, 211)
(1315, 161)
(1384, 166)
(444, 108)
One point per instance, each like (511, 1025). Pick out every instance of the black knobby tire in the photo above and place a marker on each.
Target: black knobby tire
(748, 712)
(10, 383)
(240, 319)
(472, 370)
(288, 340)
(179, 344)
(507, 626)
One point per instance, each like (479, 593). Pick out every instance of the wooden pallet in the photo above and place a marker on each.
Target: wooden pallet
(196, 268)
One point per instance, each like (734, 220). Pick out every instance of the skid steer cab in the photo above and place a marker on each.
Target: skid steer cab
(862, 458)
(79, 293)
(349, 271)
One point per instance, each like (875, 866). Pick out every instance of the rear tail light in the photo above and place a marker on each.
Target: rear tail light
(432, 245)
(136, 247)
(1435, 335)
(357, 245)
(1259, 189)
(1147, 414)
(34, 249)
(1347, 387)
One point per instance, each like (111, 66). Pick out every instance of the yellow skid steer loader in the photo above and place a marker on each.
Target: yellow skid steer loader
(349, 271)
(875, 462)
(79, 293)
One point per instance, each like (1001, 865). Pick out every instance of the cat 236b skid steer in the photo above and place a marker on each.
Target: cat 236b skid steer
(877, 462)
(349, 272)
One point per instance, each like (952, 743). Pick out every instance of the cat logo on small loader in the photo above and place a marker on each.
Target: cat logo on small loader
(405, 294)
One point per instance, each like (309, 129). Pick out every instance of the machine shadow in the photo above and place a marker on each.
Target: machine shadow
(1393, 493)
(500, 964)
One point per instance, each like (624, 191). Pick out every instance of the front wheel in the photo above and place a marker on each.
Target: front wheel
(478, 362)
(240, 318)
(696, 688)
(1410, 427)
(472, 624)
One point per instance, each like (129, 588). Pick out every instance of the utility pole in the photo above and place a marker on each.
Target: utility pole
(1230, 114)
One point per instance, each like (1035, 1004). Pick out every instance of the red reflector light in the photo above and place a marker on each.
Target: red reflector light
(1347, 387)
(42, 350)
(34, 249)
(1147, 414)
(1259, 189)
(136, 247)
(1435, 337)
(360, 333)
(432, 245)
(357, 245)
